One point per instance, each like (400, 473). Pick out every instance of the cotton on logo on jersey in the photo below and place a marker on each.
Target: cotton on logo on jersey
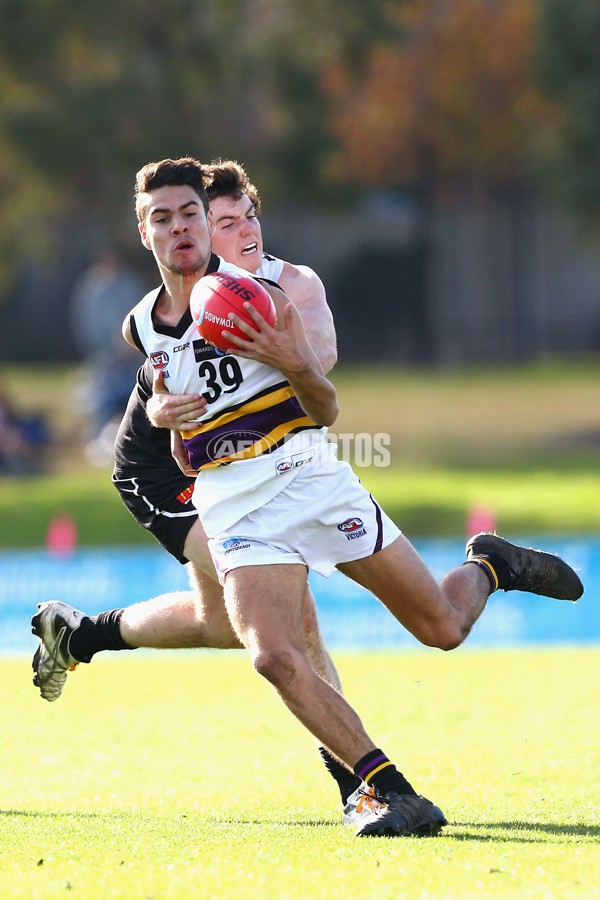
(352, 528)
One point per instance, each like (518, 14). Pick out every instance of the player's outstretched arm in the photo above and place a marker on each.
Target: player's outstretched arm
(307, 292)
(286, 348)
(303, 370)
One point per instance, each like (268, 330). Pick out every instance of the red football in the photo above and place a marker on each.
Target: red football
(216, 295)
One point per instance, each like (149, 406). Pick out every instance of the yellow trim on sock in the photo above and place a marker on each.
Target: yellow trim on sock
(378, 769)
(479, 561)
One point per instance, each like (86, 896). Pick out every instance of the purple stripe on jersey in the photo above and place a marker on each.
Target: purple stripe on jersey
(239, 435)
(379, 540)
(371, 765)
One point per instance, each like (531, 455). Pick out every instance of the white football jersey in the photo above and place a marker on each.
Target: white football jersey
(254, 435)
(271, 268)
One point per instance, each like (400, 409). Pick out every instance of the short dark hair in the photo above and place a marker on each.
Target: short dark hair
(228, 178)
(185, 170)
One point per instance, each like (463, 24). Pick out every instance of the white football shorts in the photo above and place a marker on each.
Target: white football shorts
(323, 517)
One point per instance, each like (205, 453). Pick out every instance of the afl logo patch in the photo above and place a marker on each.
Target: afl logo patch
(350, 525)
(159, 360)
(234, 443)
(284, 466)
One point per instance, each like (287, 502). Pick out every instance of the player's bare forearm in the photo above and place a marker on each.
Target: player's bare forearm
(287, 349)
(307, 292)
(180, 454)
(325, 346)
(320, 332)
(283, 346)
(316, 395)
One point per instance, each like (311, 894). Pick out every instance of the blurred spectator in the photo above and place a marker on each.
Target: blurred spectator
(22, 437)
(101, 298)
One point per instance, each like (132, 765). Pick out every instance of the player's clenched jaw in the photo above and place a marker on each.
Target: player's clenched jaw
(235, 231)
(175, 229)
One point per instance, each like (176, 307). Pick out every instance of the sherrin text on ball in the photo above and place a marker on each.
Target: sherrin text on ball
(217, 295)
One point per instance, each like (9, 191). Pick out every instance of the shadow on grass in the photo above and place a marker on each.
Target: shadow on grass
(151, 816)
(499, 832)
(521, 832)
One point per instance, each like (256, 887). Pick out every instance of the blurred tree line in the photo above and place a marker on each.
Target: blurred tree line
(323, 101)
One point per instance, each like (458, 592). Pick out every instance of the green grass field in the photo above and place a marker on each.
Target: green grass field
(182, 776)
(523, 441)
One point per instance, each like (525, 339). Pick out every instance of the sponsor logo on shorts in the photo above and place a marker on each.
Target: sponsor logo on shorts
(235, 543)
(185, 495)
(159, 360)
(350, 525)
(352, 528)
(294, 461)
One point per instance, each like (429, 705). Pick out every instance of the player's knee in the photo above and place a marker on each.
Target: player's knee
(279, 666)
(452, 637)
(452, 643)
(448, 636)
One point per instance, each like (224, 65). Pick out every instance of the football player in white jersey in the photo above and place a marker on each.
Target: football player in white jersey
(158, 495)
(315, 516)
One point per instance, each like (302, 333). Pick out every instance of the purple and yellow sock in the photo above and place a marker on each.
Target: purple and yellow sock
(495, 568)
(376, 770)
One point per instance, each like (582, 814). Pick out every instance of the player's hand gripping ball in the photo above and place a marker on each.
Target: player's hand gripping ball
(215, 296)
